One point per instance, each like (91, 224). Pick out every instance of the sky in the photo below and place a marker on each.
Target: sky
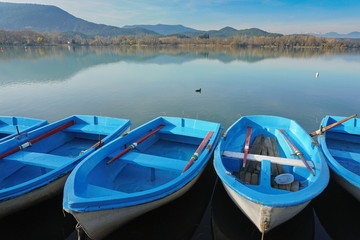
(280, 16)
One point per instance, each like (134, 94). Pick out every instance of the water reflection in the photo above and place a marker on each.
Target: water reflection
(42, 64)
(42, 222)
(337, 210)
(142, 83)
(205, 212)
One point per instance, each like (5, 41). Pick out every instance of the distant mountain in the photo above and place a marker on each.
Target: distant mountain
(183, 32)
(231, 32)
(223, 33)
(337, 35)
(46, 18)
(164, 29)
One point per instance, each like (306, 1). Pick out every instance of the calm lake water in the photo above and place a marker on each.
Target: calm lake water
(142, 83)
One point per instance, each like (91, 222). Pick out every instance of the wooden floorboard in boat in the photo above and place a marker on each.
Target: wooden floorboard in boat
(251, 172)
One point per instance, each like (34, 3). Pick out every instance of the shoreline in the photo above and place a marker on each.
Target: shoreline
(28, 38)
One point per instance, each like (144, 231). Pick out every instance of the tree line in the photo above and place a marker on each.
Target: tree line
(29, 38)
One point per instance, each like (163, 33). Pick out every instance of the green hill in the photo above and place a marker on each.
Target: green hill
(164, 29)
(232, 32)
(46, 18)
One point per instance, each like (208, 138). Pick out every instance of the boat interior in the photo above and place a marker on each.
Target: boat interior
(345, 149)
(11, 125)
(262, 175)
(155, 162)
(53, 152)
(343, 143)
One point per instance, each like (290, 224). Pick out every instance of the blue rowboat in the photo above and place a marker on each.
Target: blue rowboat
(275, 184)
(341, 147)
(34, 166)
(14, 126)
(110, 187)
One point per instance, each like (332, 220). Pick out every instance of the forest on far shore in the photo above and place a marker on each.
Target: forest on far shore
(29, 38)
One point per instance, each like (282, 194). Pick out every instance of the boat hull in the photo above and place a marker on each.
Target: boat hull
(264, 218)
(341, 147)
(353, 190)
(253, 185)
(11, 127)
(119, 183)
(99, 224)
(12, 205)
(34, 166)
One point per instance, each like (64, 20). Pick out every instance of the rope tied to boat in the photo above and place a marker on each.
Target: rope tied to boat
(80, 232)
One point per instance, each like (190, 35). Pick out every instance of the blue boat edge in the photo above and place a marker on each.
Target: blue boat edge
(336, 167)
(293, 198)
(57, 173)
(29, 124)
(70, 197)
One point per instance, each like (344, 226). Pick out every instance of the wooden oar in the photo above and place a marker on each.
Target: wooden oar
(247, 144)
(95, 146)
(31, 142)
(296, 150)
(195, 156)
(132, 146)
(323, 129)
(99, 143)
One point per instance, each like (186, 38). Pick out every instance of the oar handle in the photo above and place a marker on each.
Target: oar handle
(323, 129)
(195, 156)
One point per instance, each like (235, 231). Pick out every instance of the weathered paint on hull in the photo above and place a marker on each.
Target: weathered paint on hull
(265, 218)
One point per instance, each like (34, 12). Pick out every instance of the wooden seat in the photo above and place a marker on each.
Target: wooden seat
(260, 158)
